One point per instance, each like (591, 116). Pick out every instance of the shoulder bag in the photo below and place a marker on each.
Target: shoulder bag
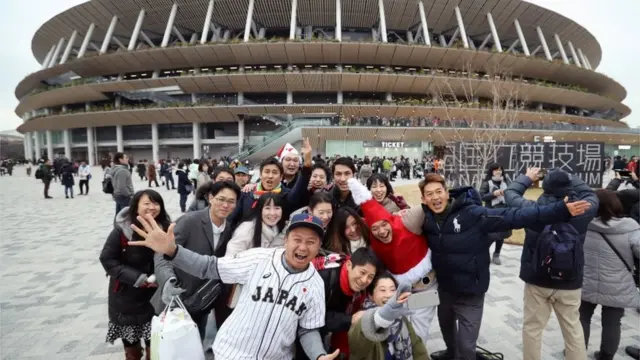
(635, 278)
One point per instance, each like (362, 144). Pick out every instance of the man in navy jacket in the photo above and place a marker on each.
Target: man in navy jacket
(541, 293)
(458, 236)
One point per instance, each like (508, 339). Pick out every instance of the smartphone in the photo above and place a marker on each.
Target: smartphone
(542, 173)
(423, 299)
(624, 173)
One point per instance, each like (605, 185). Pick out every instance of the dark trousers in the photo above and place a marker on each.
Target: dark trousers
(86, 186)
(169, 179)
(183, 202)
(466, 311)
(46, 188)
(201, 320)
(121, 202)
(195, 185)
(611, 317)
(499, 243)
(154, 180)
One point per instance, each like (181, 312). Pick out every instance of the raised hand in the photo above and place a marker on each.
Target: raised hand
(154, 237)
(306, 150)
(578, 207)
(533, 173)
(249, 188)
(331, 356)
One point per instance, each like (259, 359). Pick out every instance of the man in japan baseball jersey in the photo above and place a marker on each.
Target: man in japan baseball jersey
(282, 297)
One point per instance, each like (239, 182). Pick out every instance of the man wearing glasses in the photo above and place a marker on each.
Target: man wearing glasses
(205, 232)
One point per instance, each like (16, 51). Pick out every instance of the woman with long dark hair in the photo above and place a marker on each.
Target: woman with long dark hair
(347, 232)
(382, 191)
(610, 246)
(130, 271)
(262, 227)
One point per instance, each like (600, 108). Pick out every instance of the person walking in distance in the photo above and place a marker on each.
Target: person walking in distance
(283, 296)
(47, 175)
(67, 179)
(84, 173)
(121, 180)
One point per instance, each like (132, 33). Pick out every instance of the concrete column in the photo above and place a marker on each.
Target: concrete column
(247, 25)
(207, 23)
(423, 21)
(136, 31)
(388, 97)
(443, 41)
(583, 60)
(109, 35)
(494, 33)
(294, 18)
(574, 55)
(155, 74)
(118, 100)
(85, 42)
(339, 20)
(50, 153)
(463, 32)
(240, 135)
(197, 142)
(167, 30)
(67, 50)
(90, 147)
(194, 98)
(543, 41)
(155, 148)
(119, 139)
(565, 59)
(27, 146)
(45, 62)
(340, 97)
(56, 53)
(563, 109)
(540, 107)
(37, 145)
(66, 136)
(289, 97)
(383, 21)
(240, 98)
(523, 41)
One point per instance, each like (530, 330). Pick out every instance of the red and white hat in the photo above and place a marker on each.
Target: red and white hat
(286, 149)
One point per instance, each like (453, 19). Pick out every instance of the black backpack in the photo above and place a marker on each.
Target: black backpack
(557, 255)
(107, 186)
(39, 173)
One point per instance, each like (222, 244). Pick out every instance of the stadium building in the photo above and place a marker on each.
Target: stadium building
(190, 78)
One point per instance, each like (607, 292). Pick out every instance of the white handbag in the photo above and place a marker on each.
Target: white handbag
(174, 335)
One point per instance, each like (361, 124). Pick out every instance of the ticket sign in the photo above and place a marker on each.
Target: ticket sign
(391, 144)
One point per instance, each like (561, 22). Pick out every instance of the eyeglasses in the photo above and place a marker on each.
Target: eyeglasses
(225, 200)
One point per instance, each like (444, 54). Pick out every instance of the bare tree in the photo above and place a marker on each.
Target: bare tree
(479, 109)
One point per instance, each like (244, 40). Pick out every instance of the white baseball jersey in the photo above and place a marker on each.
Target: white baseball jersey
(273, 303)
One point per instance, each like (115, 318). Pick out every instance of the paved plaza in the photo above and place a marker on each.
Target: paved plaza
(53, 297)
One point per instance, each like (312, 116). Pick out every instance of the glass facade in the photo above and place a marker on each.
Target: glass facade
(106, 133)
(79, 135)
(175, 131)
(412, 150)
(136, 132)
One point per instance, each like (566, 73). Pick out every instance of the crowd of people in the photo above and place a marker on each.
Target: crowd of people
(319, 258)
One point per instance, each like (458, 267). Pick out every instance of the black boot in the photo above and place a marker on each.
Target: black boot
(442, 355)
(633, 351)
(599, 355)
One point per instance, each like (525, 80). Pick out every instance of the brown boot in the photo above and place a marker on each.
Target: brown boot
(133, 352)
(147, 353)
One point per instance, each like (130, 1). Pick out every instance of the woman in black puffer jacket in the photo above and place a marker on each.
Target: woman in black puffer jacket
(130, 270)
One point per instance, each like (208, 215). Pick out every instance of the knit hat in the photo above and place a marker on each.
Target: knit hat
(557, 183)
(286, 149)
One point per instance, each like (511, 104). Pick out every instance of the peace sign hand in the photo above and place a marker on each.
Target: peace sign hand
(154, 237)
(331, 356)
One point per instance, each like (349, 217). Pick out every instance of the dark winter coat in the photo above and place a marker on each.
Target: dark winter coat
(128, 305)
(629, 198)
(577, 190)
(460, 244)
(67, 175)
(183, 181)
(47, 172)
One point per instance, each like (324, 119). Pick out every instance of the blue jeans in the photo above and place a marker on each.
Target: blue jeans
(67, 190)
(183, 202)
(169, 179)
(121, 202)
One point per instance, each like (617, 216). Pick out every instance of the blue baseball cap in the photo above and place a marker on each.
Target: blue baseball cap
(307, 221)
(242, 170)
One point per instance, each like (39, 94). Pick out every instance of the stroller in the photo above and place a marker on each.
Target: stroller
(417, 171)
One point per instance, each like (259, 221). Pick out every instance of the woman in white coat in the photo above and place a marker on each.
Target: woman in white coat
(262, 228)
(607, 279)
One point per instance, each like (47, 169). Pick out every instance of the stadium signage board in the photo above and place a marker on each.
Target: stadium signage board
(391, 144)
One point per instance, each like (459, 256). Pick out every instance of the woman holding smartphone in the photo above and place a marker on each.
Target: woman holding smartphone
(384, 331)
(131, 279)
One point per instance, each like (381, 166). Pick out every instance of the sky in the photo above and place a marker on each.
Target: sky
(614, 23)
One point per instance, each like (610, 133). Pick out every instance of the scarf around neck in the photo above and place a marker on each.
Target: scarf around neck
(399, 342)
(493, 187)
(259, 191)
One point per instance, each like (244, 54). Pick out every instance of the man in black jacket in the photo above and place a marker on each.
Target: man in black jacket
(543, 293)
(345, 280)
(47, 175)
(630, 198)
(205, 232)
(342, 170)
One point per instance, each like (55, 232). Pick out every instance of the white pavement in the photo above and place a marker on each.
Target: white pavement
(53, 297)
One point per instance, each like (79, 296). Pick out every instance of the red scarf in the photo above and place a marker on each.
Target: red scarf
(344, 281)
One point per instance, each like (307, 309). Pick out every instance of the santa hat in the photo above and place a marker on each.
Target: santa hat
(286, 149)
